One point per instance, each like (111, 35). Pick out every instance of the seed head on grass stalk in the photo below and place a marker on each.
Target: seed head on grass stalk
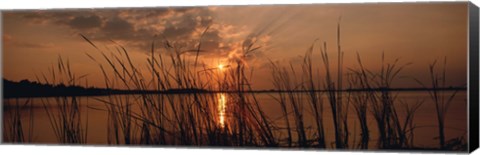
(334, 93)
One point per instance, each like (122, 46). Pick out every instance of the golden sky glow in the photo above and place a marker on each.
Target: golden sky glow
(416, 33)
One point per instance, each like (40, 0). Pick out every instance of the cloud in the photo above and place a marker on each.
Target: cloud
(117, 27)
(85, 22)
(26, 44)
(33, 45)
(135, 29)
(9, 40)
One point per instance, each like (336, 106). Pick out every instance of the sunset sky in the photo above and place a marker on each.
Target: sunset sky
(416, 33)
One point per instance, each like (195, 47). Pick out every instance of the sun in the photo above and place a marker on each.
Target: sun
(220, 67)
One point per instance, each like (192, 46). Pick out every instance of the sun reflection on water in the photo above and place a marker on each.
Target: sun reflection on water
(222, 102)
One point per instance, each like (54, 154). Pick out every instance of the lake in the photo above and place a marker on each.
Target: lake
(212, 112)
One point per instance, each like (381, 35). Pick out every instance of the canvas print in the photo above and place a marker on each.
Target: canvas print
(377, 76)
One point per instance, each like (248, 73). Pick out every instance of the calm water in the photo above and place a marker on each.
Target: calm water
(94, 110)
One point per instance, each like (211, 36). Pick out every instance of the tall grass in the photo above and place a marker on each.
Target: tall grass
(315, 100)
(187, 120)
(192, 120)
(393, 133)
(441, 98)
(284, 80)
(360, 102)
(14, 125)
(66, 119)
(234, 117)
(334, 90)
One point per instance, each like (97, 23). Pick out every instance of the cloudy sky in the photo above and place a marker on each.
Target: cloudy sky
(416, 33)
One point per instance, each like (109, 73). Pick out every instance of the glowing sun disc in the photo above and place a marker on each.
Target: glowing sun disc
(220, 67)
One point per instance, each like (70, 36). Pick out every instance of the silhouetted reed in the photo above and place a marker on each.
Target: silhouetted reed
(334, 90)
(393, 133)
(14, 125)
(190, 119)
(441, 98)
(66, 118)
(284, 79)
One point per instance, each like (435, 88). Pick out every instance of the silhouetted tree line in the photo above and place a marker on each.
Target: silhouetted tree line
(26, 88)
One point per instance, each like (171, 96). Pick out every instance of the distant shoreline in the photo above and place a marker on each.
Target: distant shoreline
(26, 89)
